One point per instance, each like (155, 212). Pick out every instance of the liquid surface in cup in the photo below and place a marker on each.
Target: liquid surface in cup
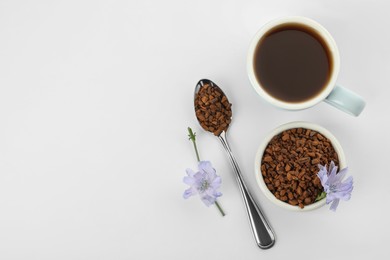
(292, 63)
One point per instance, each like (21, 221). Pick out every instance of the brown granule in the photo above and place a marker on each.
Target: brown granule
(290, 165)
(212, 109)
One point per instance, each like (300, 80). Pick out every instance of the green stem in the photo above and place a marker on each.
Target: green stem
(192, 138)
(196, 151)
(192, 135)
(220, 208)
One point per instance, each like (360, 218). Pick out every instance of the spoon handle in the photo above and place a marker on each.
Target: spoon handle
(262, 231)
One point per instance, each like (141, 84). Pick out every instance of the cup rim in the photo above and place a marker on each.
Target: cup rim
(260, 151)
(327, 37)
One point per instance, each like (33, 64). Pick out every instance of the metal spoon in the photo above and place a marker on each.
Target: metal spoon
(262, 231)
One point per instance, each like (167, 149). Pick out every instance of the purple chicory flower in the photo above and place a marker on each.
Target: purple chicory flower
(204, 182)
(333, 184)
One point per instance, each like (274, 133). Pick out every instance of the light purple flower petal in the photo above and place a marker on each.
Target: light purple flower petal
(189, 192)
(216, 183)
(333, 185)
(344, 196)
(205, 166)
(348, 182)
(334, 204)
(217, 194)
(332, 172)
(199, 177)
(322, 175)
(208, 200)
(332, 168)
(213, 193)
(204, 182)
(341, 174)
(188, 180)
(345, 188)
(330, 197)
(190, 172)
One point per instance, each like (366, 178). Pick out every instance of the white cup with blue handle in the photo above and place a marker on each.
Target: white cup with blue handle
(337, 96)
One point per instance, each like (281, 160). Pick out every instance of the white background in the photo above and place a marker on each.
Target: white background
(95, 100)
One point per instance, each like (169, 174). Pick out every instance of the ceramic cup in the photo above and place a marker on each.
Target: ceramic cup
(260, 151)
(333, 94)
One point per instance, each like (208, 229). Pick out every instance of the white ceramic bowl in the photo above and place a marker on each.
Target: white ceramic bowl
(267, 139)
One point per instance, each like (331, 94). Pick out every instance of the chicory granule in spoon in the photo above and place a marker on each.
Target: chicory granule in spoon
(213, 109)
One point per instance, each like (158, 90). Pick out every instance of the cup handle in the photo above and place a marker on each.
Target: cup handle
(346, 100)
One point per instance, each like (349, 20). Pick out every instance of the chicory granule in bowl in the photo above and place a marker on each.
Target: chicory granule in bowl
(287, 164)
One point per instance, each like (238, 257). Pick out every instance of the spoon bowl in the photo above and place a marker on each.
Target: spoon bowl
(201, 84)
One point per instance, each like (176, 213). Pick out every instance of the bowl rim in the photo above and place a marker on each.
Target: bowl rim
(259, 154)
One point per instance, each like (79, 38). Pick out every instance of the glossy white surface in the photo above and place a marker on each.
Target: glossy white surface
(95, 100)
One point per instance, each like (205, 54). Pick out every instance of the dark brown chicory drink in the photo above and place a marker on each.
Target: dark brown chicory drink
(292, 63)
